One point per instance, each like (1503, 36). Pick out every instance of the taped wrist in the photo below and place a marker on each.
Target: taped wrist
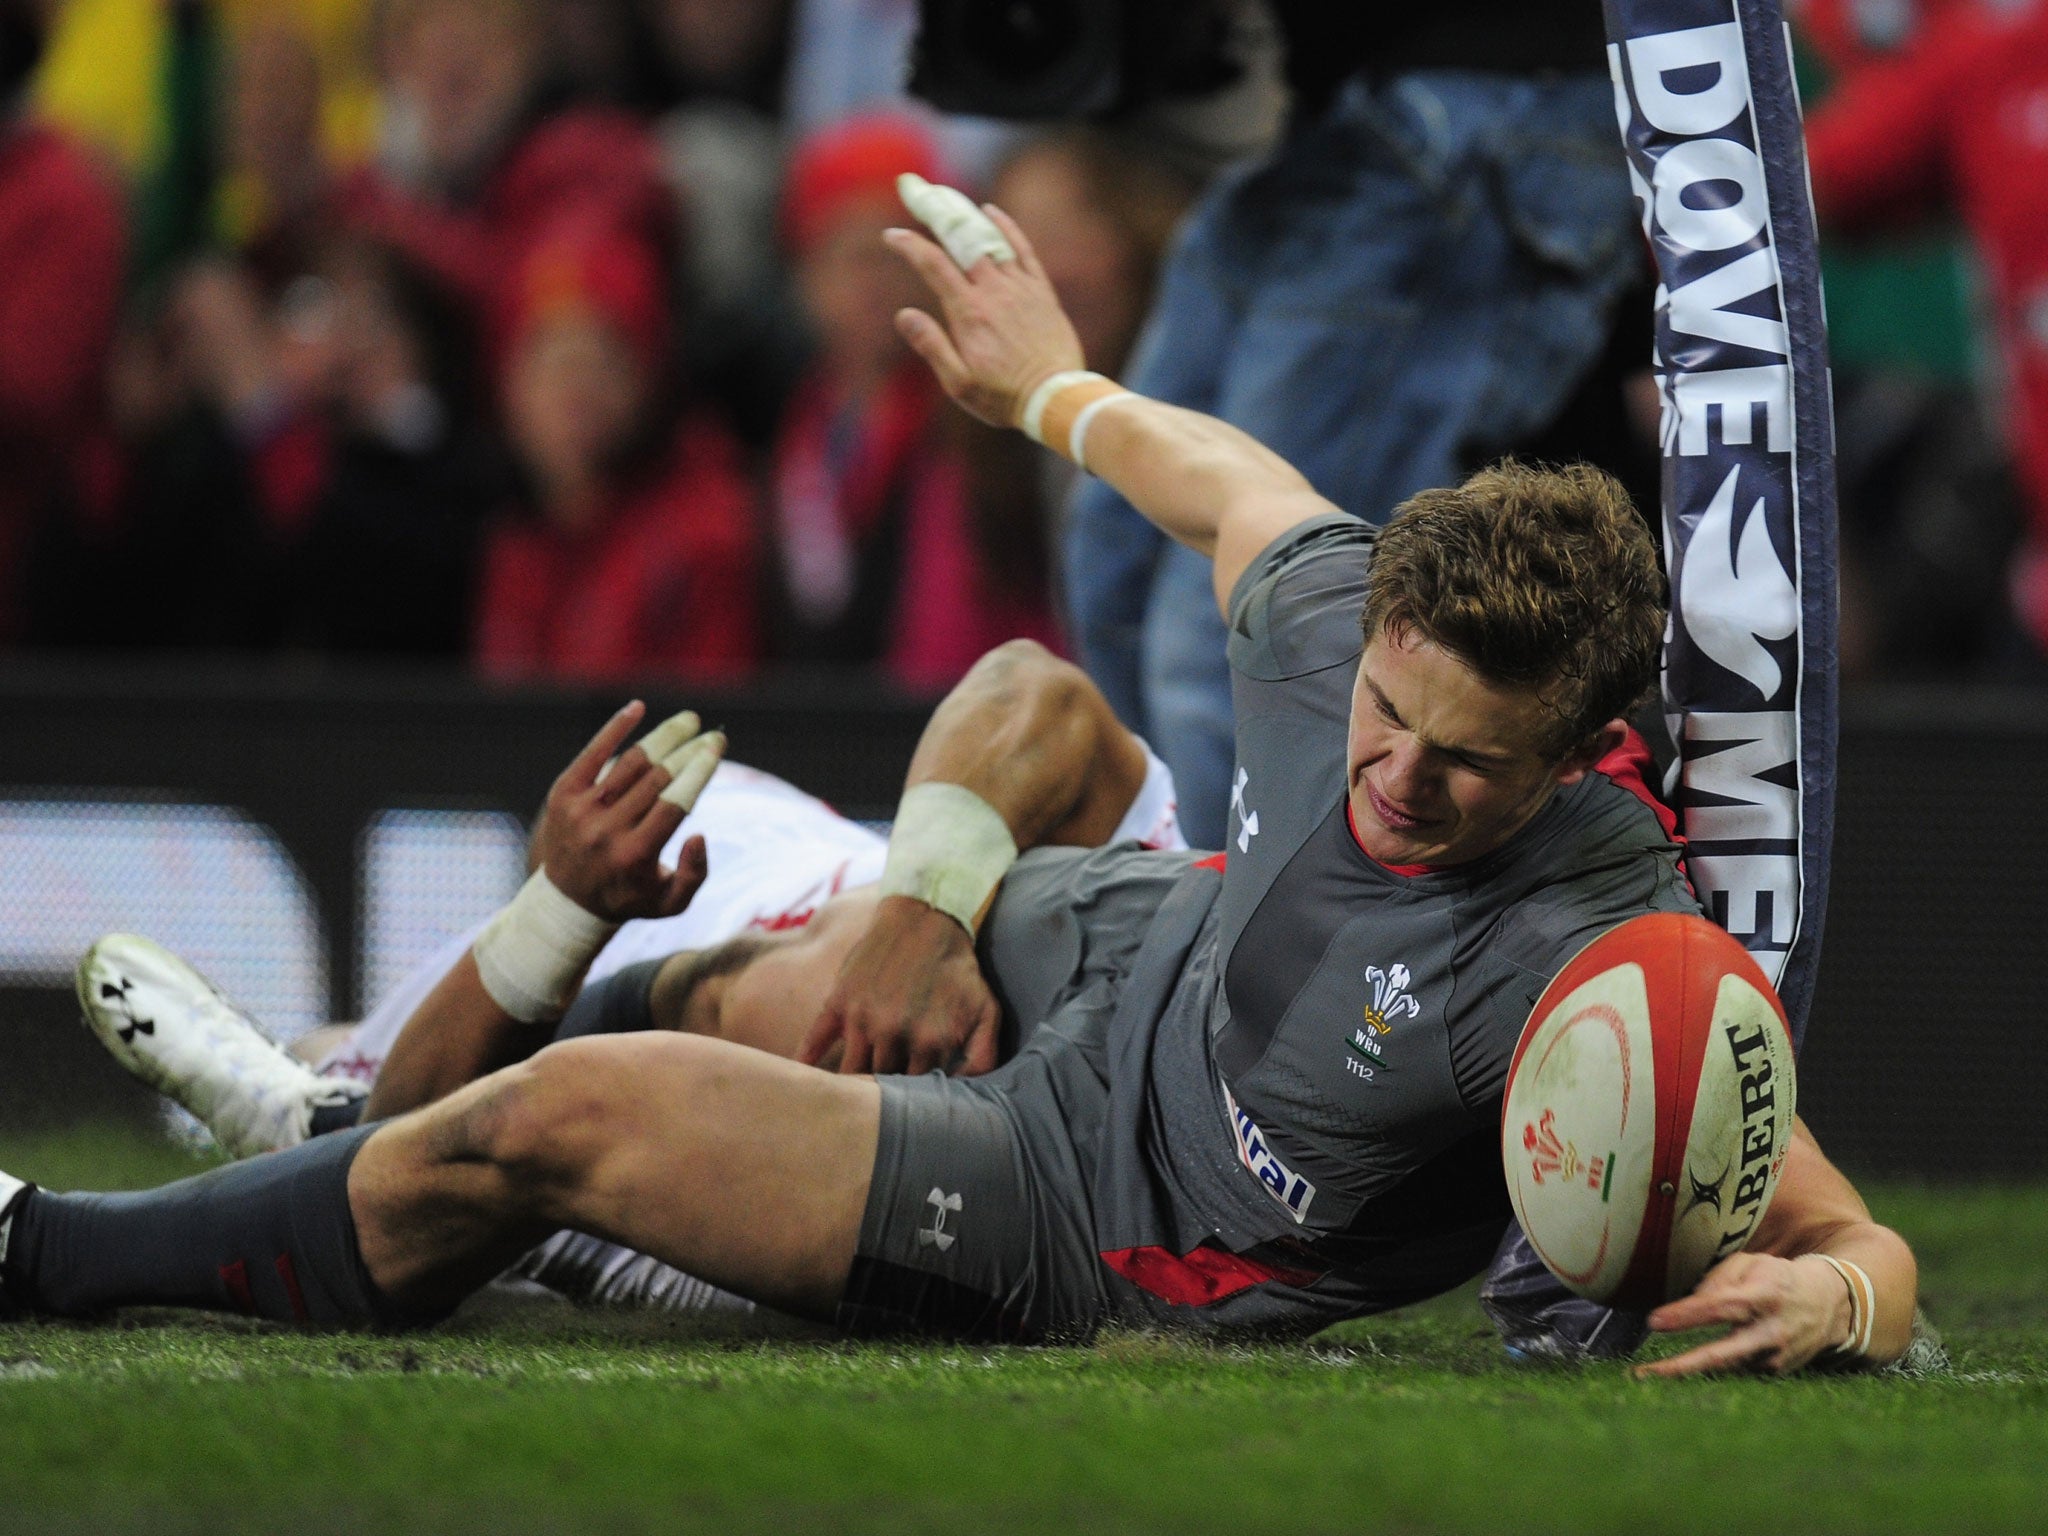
(948, 849)
(1060, 410)
(1862, 1304)
(533, 953)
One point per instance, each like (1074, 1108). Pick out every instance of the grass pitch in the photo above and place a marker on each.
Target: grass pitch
(548, 1418)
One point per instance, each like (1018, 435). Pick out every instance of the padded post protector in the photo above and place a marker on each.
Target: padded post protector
(1710, 120)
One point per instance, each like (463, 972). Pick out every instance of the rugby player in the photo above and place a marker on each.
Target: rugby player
(790, 885)
(1260, 1095)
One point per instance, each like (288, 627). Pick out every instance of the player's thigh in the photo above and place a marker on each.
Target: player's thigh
(731, 1164)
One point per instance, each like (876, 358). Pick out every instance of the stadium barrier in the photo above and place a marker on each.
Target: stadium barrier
(304, 837)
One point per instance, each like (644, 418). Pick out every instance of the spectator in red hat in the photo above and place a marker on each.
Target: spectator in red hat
(634, 551)
(874, 559)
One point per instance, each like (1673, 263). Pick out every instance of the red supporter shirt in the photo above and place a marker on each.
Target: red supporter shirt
(61, 252)
(664, 583)
(948, 608)
(591, 164)
(1960, 119)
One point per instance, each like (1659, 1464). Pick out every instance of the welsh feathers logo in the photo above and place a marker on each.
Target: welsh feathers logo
(1552, 1158)
(1390, 999)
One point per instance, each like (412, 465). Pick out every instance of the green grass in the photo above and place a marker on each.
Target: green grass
(546, 1418)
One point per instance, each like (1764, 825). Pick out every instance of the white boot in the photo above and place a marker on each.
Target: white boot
(166, 1024)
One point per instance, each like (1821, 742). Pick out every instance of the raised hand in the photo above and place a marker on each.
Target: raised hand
(1000, 331)
(607, 820)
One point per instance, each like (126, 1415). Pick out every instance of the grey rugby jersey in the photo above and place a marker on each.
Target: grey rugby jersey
(1320, 1088)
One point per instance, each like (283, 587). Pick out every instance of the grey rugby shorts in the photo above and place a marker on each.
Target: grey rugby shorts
(980, 1216)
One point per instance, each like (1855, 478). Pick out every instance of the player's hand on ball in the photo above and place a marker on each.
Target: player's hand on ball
(910, 998)
(1000, 330)
(1779, 1313)
(607, 819)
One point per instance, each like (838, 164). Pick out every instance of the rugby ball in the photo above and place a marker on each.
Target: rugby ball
(1649, 1108)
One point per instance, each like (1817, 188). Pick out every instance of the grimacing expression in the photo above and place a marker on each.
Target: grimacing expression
(1442, 765)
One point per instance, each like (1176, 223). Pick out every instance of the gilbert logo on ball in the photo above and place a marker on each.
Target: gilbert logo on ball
(1649, 1106)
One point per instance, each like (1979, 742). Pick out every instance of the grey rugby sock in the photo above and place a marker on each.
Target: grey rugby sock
(272, 1236)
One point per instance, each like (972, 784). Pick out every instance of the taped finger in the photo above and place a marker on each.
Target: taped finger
(670, 734)
(690, 768)
(964, 230)
(634, 800)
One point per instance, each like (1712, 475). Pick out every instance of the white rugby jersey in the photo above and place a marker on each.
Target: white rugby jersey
(775, 854)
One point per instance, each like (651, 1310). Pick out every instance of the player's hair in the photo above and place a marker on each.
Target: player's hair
(1533, 576)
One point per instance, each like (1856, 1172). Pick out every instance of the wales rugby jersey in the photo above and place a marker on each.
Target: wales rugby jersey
(1308, 1063)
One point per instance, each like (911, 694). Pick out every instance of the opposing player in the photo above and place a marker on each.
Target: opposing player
(789, 887)
(1426, 826)
(774, 857)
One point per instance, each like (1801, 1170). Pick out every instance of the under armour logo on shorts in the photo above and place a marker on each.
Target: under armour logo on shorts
(936, 1233)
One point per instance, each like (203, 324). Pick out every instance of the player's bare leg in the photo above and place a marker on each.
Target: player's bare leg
(750, 1171)
(746, 1170)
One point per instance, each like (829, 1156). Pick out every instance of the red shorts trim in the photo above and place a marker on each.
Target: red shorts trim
(1200, 1277)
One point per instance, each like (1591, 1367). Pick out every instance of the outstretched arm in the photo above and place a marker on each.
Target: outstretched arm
(1032, 738)
(1000, 336)
(1783, 1303)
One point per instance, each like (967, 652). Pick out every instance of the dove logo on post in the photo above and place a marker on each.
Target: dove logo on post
(1736, 594)
(1689, 121)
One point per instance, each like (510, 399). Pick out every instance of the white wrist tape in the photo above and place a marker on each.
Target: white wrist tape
(1057, 413)
(948, 849)
(964, 230)
(1077, 438)
(1031, 420)
(1862, 1304)
(533, 953)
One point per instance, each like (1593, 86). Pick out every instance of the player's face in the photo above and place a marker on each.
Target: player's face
(1444, 766)
(775, 987)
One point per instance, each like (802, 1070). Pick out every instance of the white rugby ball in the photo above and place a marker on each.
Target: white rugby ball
(1649, 1108)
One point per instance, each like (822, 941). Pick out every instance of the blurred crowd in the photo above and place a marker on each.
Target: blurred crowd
(555, 335)
(1927, 134)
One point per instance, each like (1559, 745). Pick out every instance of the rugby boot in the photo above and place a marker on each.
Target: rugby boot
(169, 1027)
(1539, 1319)
(11, 1191)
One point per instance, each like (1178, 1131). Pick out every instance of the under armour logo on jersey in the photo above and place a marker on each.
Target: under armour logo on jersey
(936, 1234)
(1248, 821)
